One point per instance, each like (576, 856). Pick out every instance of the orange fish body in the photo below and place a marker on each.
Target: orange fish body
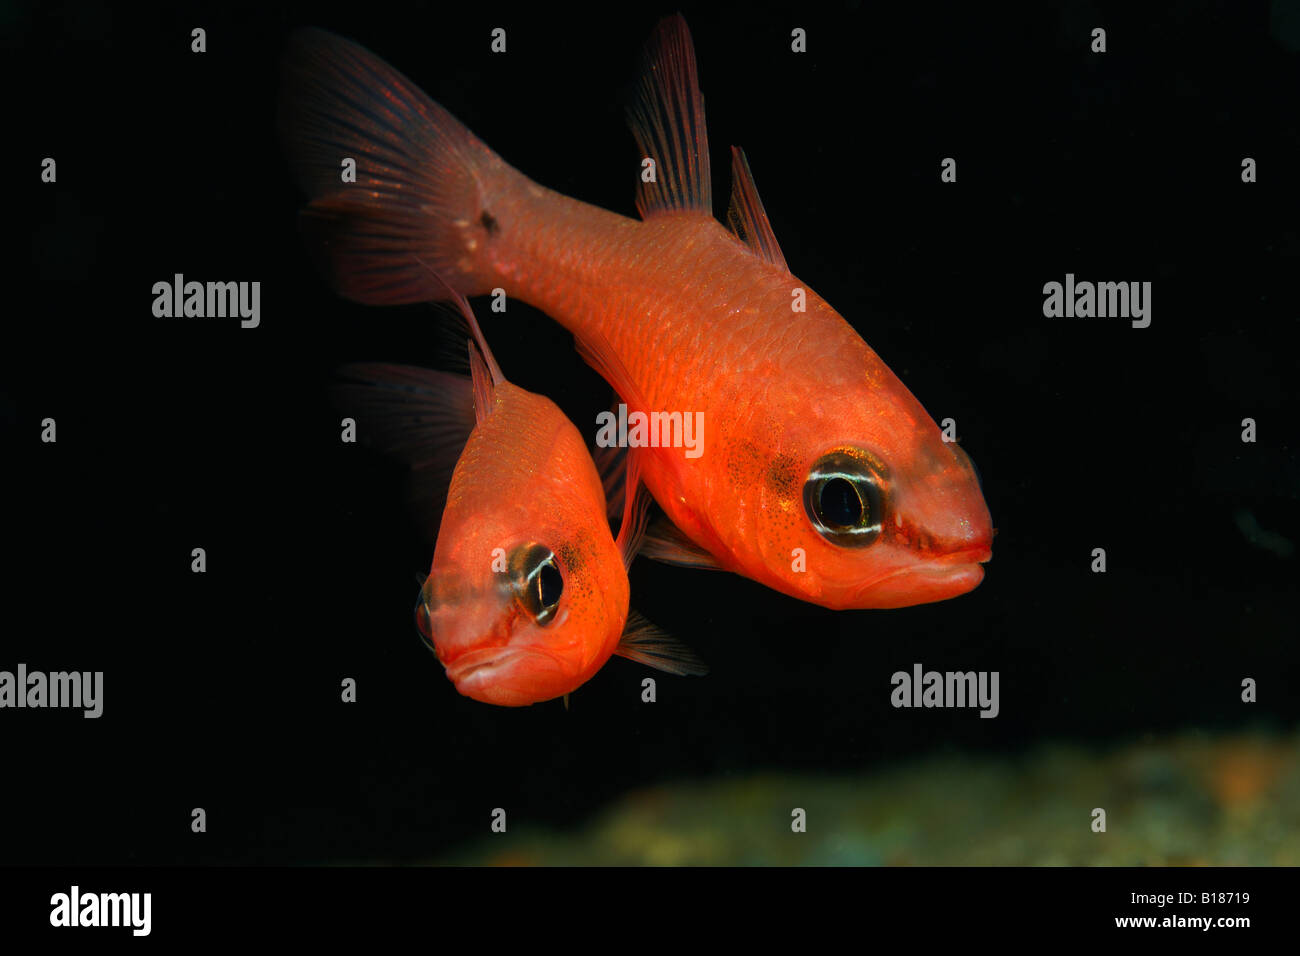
(527, 596)
(524, 497)
(761, 374)
(820, 475)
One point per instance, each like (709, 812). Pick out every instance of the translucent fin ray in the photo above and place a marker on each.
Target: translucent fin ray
(667, 120)
(666, 543)
(746, 216)
(421, 176)
(654, 647)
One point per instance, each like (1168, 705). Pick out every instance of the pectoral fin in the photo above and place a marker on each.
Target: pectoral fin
(636, 510)
(665, 542)
(611, 465)
(647, 644)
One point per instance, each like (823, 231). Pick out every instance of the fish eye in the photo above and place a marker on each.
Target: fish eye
(843, 500)
(538, 583)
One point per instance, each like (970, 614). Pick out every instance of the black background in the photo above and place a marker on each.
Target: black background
(222, 689)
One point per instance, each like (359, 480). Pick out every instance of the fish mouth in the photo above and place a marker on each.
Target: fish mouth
(934, 580)
(508, 676)
(479, 662)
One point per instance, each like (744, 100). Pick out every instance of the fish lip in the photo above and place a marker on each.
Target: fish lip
(512, 676)
(944, 565)
(470, 662)
(979, 554)
(966, 563)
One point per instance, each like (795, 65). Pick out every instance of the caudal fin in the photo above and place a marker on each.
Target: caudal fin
(424, 184)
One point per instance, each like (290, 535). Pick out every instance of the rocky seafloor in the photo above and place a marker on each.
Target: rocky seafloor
(1194, 799)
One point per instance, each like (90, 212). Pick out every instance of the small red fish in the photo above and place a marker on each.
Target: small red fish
(527, 596)
(820, 474)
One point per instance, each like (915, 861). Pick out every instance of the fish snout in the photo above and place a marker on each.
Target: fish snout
(454, 620)
(951, 512)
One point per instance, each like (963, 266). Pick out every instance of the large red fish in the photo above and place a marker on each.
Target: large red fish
(527, 596)
(820, 474)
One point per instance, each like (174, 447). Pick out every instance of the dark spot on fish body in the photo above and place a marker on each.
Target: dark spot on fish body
(758, 469)
(783, 476)
(745, 462)
(571, 554)
(488, 222)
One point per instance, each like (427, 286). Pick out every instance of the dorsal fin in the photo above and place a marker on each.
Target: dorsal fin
(417, 415)
(450, 335)
(484, 371)
(483, 384)
(667, 119)
(746, 216)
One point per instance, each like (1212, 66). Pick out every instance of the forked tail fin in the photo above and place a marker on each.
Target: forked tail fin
(423, 184)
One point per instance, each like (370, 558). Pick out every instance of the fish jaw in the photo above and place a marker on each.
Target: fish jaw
(925, 582)
(511, 676)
